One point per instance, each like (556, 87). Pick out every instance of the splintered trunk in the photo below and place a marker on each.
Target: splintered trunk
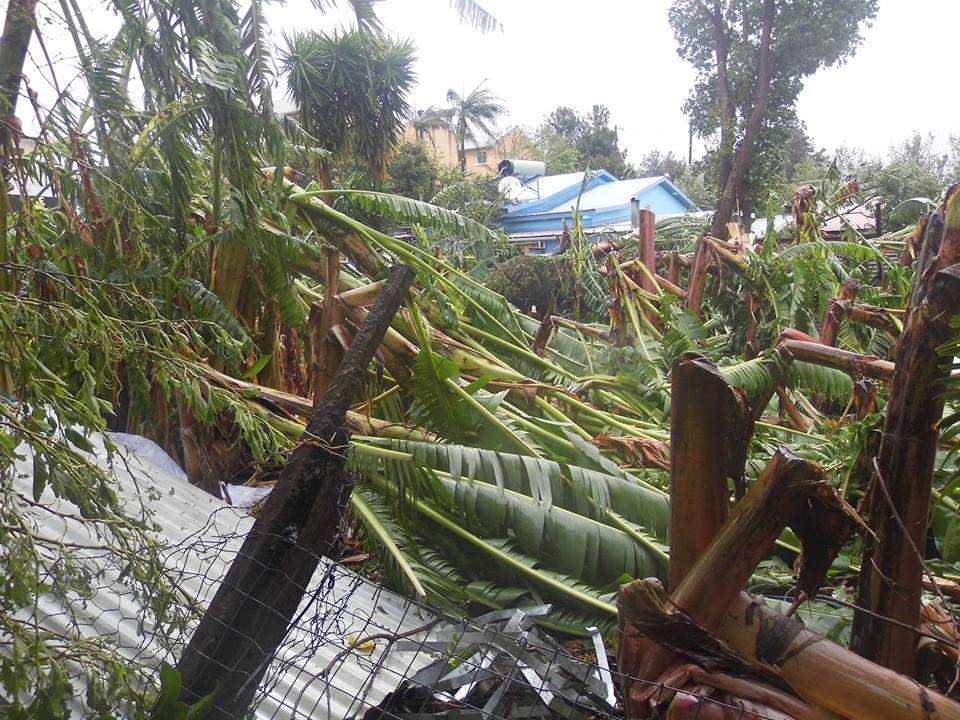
(326, 350)
(710, 429)
(698, 276)
(790, 491)
(831, 680)
(648, 256)
(836, 310)
(892, 568)
(845, 306)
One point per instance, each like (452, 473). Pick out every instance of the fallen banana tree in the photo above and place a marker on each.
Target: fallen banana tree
(708, 624)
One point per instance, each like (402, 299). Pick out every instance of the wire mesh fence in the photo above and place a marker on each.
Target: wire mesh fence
(354, 648)
(357, 650)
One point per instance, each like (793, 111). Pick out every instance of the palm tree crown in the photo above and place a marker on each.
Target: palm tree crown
(351, 90)
(477, 111)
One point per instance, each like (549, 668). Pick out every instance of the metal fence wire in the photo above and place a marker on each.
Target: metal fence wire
(357, 650)
(354, 649)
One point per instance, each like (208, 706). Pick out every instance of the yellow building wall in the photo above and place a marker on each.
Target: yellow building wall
(480, 161)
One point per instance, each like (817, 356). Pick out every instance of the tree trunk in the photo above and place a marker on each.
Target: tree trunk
(721, 44)
(17, 30)
(819, 671)
(790, 492)
(734, 187)
(854, 363)
(249, 616)
(891, 575)
(702, 459)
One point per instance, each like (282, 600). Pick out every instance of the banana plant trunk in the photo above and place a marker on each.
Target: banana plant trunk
(790, 491)
(899, 499)
(710, 430)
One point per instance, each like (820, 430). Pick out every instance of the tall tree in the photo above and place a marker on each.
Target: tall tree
(908, 182)
(599, 143)
(467, 114)
(413, 171)
(657, 162)
(351, 91)
(752, 58)
(574, 141)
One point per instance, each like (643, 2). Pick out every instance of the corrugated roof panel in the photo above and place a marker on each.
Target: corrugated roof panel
(547, 185)
(609, 194)
(203, 534)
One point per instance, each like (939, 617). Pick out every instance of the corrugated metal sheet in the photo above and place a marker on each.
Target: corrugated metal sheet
(610, 194)
(547, 185)
(203, 534)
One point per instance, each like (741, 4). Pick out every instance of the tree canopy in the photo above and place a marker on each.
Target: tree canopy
(752, 58)
(569, 141)
(351, 90)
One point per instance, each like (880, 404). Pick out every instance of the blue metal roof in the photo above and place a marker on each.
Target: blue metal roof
(605, 202)
(565, 194)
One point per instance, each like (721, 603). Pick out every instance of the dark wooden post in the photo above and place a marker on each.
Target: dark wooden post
(891, 575)
(256, 601)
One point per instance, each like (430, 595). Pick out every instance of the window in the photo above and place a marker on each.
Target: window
(481, 157)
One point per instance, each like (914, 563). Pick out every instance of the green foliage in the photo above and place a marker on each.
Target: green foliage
(351, 90)
(465, 116)
(168, 704)
(474, 197)
(569, 141)
(659, 163)
(911, 178)
(539, 281)
(413, 172)
(407, 211)
(723, 44)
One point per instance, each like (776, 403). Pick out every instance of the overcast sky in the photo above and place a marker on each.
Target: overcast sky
(621, 53)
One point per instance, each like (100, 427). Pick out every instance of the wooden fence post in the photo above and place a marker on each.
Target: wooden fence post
(252, 610)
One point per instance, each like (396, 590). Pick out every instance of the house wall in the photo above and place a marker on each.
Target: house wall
(661, 201)
(440, 141)
(511, 146)
(480, 160)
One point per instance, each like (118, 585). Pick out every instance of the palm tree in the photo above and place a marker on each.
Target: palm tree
(351, 91)
(478, 110)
